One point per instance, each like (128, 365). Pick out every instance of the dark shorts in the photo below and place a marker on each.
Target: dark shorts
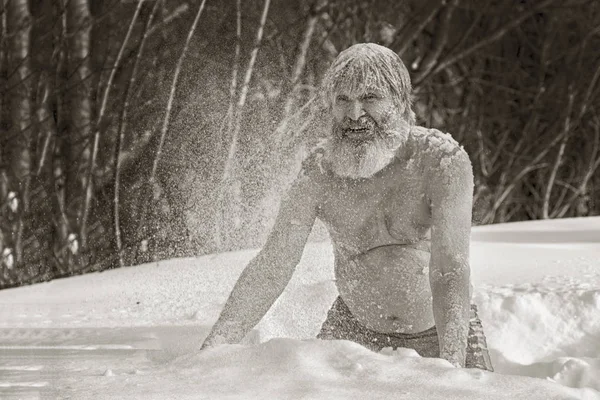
(342, 325)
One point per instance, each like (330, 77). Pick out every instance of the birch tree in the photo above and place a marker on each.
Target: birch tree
(18, 142)
(78, 153)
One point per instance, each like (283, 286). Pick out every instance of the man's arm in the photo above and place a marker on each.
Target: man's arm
(267, 275)
(452, 197)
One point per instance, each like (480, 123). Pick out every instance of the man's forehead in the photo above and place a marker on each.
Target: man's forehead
(358, 90)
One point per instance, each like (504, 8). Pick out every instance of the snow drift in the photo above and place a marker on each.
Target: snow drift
(134, 332)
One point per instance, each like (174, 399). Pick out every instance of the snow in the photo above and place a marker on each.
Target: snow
(134, 332)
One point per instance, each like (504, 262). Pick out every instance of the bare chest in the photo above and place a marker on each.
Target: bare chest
(386, 209)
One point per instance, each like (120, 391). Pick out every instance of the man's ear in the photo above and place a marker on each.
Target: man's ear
(401, 109)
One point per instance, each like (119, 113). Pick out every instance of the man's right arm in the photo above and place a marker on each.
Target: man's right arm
(267, 275)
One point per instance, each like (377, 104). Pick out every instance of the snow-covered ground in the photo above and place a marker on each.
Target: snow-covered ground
(134, 332)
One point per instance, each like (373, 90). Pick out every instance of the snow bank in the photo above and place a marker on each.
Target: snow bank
(313, 369)
(538, 296)
(548, 324)
(545, 330)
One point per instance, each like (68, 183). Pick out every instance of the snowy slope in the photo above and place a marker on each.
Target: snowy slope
(133, 332)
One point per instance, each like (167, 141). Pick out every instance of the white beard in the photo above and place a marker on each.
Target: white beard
(352, 159)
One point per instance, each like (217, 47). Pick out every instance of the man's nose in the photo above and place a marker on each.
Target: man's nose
(355, 110)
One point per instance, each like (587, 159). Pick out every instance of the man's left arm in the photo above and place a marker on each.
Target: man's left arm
(451, 194)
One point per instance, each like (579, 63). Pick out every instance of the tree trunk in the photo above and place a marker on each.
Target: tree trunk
(5, 270)
(57, 175)
(79, 99)
(18, 151)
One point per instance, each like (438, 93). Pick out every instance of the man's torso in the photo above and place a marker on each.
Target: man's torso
(380, 229)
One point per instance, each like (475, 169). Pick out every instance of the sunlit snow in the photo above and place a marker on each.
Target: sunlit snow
(134, 332)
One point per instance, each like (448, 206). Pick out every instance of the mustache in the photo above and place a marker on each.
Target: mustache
(365, 121)
(348, 126)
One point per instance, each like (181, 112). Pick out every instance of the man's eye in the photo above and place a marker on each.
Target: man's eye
(370, 96)
(342, 98)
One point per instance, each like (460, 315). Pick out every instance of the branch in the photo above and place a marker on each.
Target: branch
(514, 182)
(559, 156)
(428, 12)
(121, 135)
(96, 143)
(44, 117)
(533, 165)
(589, 91)
(253, 55)
(439, 42)
(165, 125)
(297, 72)
(228, 169)
(179, 11)
(491, 38)
(566, 187)
(231, 110)
(482, 159)
(235, 69)
(244, 92)
(593, 166)
(501, 145)
(305, 44)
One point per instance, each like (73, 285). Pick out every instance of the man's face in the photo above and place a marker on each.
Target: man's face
(358, 116)
(367, 130)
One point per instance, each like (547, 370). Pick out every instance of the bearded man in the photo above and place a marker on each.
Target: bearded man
(396, 199)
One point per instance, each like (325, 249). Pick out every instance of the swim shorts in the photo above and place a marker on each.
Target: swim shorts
(342, 325)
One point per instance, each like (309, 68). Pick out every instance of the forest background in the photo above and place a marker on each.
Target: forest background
(134, 130)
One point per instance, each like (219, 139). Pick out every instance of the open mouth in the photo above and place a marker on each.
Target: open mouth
(357, 133)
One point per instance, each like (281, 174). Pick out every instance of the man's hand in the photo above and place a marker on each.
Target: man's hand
(455, 357)
(454, 348)
(212, 341)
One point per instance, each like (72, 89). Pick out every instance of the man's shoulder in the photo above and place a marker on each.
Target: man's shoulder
(441, 153)
(435, 142)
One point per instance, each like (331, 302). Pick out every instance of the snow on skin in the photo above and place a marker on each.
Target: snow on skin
(537, 286)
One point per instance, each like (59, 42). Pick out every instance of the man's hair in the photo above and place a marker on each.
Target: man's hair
(367, 66)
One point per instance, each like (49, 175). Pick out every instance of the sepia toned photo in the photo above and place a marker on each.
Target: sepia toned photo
(300, 199)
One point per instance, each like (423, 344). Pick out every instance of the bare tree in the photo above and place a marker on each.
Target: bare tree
(91, 123)
(118, 158)
(148, 194)
(4, 230)
(18, 18)
(78, 153)
(229, 190)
